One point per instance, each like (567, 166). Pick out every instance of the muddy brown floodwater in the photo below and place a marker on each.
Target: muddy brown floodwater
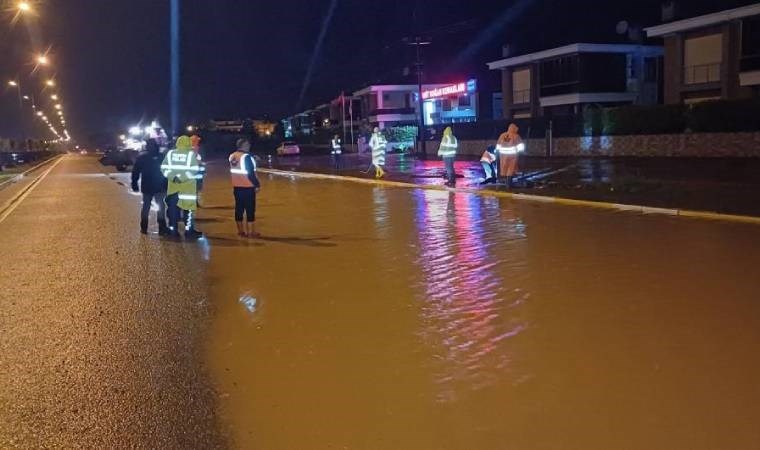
(390, 318)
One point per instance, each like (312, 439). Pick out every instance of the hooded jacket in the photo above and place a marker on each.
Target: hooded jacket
(147, 170)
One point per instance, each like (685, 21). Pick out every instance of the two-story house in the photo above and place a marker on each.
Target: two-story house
(714, 56)
(561, 81)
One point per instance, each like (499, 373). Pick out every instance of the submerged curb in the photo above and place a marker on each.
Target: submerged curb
(640, 209)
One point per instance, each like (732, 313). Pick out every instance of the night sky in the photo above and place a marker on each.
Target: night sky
(248, 58)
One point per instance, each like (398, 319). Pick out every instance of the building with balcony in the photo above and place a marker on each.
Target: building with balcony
(398, 104)
(714, 56)
(561, 81)
(389, 105)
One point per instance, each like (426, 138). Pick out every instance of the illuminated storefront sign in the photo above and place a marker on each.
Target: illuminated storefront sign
(454, 89)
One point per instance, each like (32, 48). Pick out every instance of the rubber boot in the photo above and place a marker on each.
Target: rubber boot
(163, 230)
(190, 231)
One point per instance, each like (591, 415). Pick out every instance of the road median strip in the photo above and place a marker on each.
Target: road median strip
(14, 178)
(16, 200)
(640, 209)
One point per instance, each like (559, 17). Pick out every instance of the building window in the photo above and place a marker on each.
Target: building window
(702, 59)
(561, 75)
(446, 104)
(521, 86)
(750, 60)
(464, 102)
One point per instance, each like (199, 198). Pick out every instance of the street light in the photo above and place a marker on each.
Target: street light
(50, 83)
(13, 83)
(54, 97)
(43, 60)
(24, 6)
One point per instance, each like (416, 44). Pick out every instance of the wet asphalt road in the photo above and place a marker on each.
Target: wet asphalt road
(99, 336)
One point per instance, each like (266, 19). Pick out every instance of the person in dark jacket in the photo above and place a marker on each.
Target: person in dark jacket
(153, 185)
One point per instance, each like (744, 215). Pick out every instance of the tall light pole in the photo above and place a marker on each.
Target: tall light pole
(418, 43)
(174, 69)
(17, 84)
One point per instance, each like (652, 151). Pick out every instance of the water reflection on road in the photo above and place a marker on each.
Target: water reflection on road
(421, 319)
(462, 290)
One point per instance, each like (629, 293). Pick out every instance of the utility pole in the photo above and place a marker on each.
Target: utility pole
(418, 43)
(174, 88)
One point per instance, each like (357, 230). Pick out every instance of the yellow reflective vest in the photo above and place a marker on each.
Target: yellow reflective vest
(448, 146)
(182, 168)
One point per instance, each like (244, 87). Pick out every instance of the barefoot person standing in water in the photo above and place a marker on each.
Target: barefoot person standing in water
(245, 185)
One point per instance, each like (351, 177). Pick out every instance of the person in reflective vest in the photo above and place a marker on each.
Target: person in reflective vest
(448, 151)
(378, 143)
(508, 147)
(337, 150)
(182, 169)
(245, 185)
(488, 161)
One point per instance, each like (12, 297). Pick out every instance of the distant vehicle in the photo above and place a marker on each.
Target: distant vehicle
(288, 148)
(83, 151)
(122, 158)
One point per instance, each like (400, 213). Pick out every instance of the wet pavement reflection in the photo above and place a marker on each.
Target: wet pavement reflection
(370, 317)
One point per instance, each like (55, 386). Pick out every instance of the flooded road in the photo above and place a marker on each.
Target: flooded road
(378, 318)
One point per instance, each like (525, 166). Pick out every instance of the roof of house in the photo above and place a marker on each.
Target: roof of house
(703, 21)
(573, 49)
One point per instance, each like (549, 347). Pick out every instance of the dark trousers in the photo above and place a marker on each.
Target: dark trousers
(245, 202)
(147, 201)
(451, 175)
(173, 211)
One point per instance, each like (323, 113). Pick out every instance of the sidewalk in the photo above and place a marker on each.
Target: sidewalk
(727, 186)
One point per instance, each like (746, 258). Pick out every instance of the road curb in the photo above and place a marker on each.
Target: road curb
(640, 209)
(16, 200)
(18, 176)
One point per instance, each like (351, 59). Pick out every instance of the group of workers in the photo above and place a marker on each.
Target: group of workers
(174, 180)
(499, 162)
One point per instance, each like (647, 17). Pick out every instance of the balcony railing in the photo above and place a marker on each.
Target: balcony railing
(521, 96)
(702, 73)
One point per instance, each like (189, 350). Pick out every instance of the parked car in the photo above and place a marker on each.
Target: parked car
(288, 148)
(122, 158)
